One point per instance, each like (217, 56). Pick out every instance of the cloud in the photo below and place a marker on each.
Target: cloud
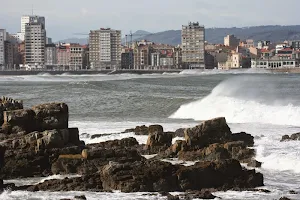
(84, 11)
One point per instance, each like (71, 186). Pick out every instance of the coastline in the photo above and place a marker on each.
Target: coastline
(85, 72)
(125, 71)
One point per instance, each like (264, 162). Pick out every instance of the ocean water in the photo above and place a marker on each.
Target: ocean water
(265, 104)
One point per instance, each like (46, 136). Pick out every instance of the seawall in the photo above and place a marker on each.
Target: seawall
(82, 72)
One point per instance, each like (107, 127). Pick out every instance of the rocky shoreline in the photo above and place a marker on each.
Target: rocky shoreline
(37, 142)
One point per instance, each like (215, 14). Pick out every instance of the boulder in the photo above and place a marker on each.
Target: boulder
(143, 176)
(90, 160)
(158, 141)
(245, 137)
(8, 104)
(138, 130)
(19, 121)
(203, 194)
(284, 198)
(179, 132)
(223, 175)
(91, 182)
(295, 136)
(254, 163)
(44, 140)
(215, 152)
(158, 176)
(51, 116)
(208, 132)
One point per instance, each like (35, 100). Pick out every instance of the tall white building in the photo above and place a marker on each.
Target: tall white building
(2, 47)
(193, 39)
(35, 40)
(28, 19)
(105, 48)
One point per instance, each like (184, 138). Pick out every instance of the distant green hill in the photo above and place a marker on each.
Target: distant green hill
(216, 35)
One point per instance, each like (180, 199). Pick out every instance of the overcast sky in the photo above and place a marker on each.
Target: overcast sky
(64, 18)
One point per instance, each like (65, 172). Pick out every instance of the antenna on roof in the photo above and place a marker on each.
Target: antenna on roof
(32, 9)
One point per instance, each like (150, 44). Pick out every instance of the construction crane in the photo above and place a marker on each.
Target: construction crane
(131, 35)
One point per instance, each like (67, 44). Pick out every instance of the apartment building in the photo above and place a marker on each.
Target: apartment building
(50, 55)
(63, 54)
(35, 39)
(105, 48)
(2, 47)
(231, 41)
(76, 56)
(26, 19)
(193, 39)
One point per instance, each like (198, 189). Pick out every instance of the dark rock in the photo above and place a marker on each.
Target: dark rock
(51, 116)
(208, 132)
(225, 174)
(215, 152)
(85, 183)
(100, 135)
(284, 198)
(81, 197)
(8, 104)
(203, 194)
(179, 132)
(18, 121)
(246, 138)
(97, 155)
(139, 130)
(295, 136)
(285, 138)
(293, 192)
(158, 140)
(254, 163)
(171, 197)
(152, 175)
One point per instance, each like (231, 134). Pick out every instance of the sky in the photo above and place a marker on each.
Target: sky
(66, 18)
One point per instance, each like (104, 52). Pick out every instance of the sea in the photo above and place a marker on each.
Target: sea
(262, 103)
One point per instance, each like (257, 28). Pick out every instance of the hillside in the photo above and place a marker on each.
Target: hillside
(216, 35)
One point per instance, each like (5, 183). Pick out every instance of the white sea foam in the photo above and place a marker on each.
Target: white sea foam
(113, 130)
(24, 195)
(36, 180)
(230, 100)
(218, 71)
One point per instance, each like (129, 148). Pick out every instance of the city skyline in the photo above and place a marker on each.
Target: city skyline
(72, 17)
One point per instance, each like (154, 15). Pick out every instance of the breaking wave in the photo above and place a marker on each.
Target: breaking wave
(244, 100)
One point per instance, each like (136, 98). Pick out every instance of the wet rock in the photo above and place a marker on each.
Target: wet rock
(171, 197)
(203, 194)
(147, 176)
(254, 163)
(158, 140)
(245, 137)
(222, 175)
(179, 132)
(284, 198)
(39, 118)
(18, 121)
(81, 197)
(295, 136)
(208, 132)
(95, 156)
(51, 116)
(9, 104)
(138, 130)
(293, 192)
(151, 175)
(214, 152)
(85, 183)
